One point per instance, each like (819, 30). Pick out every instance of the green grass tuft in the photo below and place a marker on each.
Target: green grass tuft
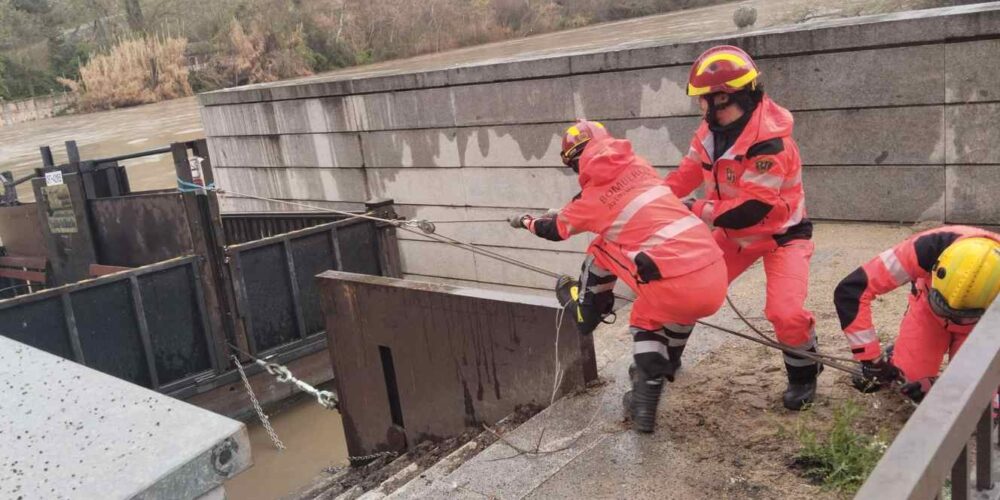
(842, 457)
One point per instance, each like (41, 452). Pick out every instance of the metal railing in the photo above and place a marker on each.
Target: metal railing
(933, 446)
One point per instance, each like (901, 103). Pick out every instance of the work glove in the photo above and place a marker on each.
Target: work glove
(917, 389)
(519, 221)
(880, 370)
(874, 374)
(689, 203)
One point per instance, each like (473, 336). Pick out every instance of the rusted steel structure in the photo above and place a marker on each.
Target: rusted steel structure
(146, 286)
(417, 361)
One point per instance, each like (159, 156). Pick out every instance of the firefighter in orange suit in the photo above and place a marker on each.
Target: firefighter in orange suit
(744, 156)
(954, 275)
(648, 239)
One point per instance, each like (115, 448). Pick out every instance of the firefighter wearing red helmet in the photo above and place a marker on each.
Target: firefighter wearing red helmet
(744, 155)
(646, 238)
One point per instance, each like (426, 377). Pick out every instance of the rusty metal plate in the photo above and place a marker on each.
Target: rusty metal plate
(433, 360)
(134, 231)
(20, 230)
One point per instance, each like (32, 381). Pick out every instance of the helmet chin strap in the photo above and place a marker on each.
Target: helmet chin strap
(746, 99)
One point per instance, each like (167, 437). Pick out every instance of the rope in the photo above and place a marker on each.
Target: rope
(190, 187)
(831, 361)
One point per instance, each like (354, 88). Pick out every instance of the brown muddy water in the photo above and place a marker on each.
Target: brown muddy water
(103, 134)
(314, 440)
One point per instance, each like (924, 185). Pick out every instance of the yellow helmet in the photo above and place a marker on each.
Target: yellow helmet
(966, 278)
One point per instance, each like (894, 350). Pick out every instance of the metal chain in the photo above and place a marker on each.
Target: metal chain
(264, 420)
(326, 399)
(361, 458)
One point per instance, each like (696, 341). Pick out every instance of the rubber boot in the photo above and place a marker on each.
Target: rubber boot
(801, 389)
(641, 402)
(675, 361)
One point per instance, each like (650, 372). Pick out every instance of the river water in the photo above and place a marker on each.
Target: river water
(103, 134)
(314, 440)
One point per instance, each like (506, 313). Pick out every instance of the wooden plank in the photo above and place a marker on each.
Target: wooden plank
(24, 261)
(33, 276)
(98, 270)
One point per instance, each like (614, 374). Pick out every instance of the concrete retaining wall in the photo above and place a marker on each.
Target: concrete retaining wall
(895, 117)
(26, 110)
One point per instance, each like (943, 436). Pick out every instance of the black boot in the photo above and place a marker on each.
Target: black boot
(641, 402)
(801, 389)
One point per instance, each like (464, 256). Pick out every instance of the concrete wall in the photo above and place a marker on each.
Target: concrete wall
(26, 110)
(895, 117)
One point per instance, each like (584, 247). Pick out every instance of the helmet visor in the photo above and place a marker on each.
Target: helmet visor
(958, 316)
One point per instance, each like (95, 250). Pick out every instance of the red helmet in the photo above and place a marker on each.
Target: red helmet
(722, 69)
(578, 135)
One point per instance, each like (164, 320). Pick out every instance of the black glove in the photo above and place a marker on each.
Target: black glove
(916, 390)
(874, 374)
(517, 221)
(880, 370)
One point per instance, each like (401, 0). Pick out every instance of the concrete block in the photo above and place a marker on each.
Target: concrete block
(317, 115)
(513, 68)
(239, 119)
(972, 194)
(970, 76)
(972, 134)
(881, 136)
(496, 233)
(643, 93)
(310, 88)
(400, 110)
(895, 76)
(233, 204)
(292, 150)
(661, 141)
(300, 116)
(527, 101)
(541, 188)
(412, 148)
(425, 186)
(512, 146)
(436, 259)
(73, 432)
(494, 271)
(332, 184)
(882, 193)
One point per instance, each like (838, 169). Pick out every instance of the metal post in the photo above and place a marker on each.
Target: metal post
(47, 160)
(72, 154)
(960, 476)
(9, 197)
(388, 247)
(984, 450)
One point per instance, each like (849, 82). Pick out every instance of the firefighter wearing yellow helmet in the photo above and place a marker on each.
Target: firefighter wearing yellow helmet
(954, 276)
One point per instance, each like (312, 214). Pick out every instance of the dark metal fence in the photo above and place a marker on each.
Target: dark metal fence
(250, 226)
(186, 282)
(148, 326)
(274, 279)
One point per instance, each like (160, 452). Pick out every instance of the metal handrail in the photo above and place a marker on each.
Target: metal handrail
(934, 442)
(131, 156)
